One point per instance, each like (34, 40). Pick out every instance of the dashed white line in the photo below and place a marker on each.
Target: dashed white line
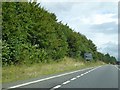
(73, 78)
(86, 73)
(78, 76)
(66, 82)
(58, 86)
(117, 67)
(81, 74)
(40, 80)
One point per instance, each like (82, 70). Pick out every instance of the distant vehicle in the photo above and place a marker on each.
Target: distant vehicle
(88, 56)
(118, 62)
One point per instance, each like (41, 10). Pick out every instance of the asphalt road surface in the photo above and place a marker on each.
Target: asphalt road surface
(96, 77)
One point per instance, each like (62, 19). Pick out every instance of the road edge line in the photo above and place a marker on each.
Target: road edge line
(31, 82)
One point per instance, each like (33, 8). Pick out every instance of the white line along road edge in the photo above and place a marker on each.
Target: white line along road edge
(58, 86)
(20, 85)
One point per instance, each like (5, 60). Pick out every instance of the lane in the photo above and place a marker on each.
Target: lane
(101, 77)
(45, 82)
(55, 81)
(118, 67)
(104, 77)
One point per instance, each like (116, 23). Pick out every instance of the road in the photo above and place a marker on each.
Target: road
(96, 77)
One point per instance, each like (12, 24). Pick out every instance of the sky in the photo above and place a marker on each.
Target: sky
(96, 19)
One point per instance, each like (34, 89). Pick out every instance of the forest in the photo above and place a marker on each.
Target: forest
(31, 34)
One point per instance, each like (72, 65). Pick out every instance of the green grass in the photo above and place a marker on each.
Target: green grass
(22, 72)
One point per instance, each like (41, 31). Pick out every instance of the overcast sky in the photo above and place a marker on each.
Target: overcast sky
(98, 20)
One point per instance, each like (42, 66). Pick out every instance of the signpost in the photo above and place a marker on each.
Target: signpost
(88, 56)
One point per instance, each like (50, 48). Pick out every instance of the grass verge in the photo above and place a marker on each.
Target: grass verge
(22, 72)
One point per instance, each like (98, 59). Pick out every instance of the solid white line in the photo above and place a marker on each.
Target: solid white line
(66, 82)
(73, 78)
(16, 86)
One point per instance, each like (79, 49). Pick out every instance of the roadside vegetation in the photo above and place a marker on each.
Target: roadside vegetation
(32, 38)
(23, 72)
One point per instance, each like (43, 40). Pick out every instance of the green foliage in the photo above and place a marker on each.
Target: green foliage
(109, 59)
(30, 34)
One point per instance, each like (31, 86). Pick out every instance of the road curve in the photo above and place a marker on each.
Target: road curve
(99, 77)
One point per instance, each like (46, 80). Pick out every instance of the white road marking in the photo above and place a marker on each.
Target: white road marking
(73, 78)
(40, 80)
(85, 72)
(66, 82)
(88, 72)
(117, 67)
(58, 86)
(79, 76)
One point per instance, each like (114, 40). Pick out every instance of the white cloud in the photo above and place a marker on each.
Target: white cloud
(77, 0)
(111, 48)
(100, 19)
(106, 28)
(84, 15)
(101, 39)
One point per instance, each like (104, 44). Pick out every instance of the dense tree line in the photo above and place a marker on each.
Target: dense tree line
(31, 34)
